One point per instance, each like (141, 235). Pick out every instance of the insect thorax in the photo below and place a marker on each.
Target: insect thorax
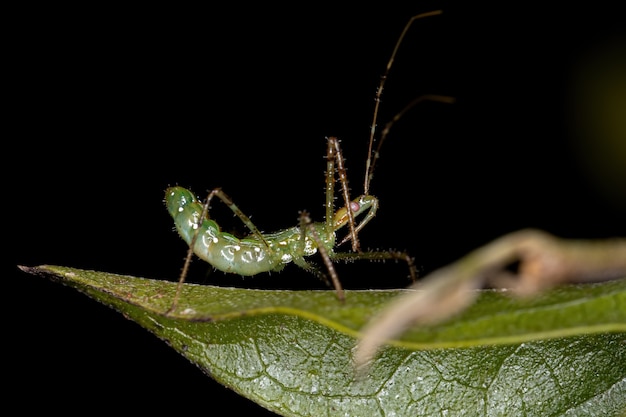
(287, 244)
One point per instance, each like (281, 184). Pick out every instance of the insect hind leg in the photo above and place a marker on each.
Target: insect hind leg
(216, 192)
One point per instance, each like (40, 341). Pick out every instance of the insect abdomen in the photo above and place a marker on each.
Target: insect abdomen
(222, 250)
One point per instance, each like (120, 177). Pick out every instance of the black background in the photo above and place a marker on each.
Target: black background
(115, 104)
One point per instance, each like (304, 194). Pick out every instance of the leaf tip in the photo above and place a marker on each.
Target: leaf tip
(29, 269)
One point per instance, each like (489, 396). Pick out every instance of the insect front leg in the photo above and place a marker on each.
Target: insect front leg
(335, 155)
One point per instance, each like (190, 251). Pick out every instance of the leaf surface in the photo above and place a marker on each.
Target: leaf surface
(561, 354)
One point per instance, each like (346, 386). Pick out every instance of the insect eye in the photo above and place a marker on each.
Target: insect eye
(354, 206)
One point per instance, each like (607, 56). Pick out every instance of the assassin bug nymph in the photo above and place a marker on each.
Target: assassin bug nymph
(264, 252)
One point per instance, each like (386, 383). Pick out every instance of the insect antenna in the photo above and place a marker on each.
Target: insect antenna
(373, 155)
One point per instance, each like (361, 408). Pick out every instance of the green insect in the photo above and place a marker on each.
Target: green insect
(265, 252)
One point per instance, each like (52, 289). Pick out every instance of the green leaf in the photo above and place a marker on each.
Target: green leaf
(561, 354)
